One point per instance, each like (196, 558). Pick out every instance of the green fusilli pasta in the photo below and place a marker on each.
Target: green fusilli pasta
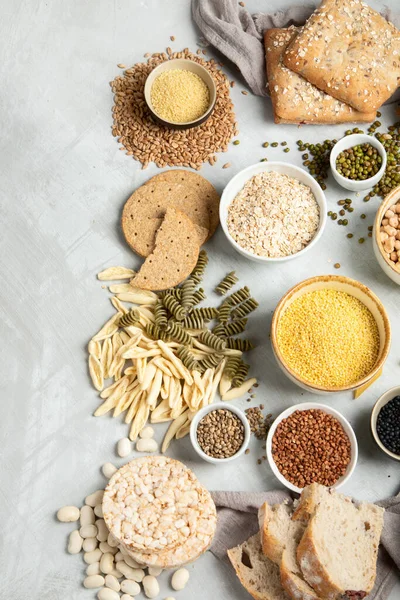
(198, 271)
(175, 292)
(209, 339)
(187, 288)
(210, 361)
(156, 333)
(161, 315)
(198, 296)
(129, 318)
(245, 308)
(176, 332)
(241, 374)
(232, 328)
(188, 359)
(225, 285)
(224, 311)
(174, 307)
(239, 296)
(231, 367)
(193, 321)
(239, 344)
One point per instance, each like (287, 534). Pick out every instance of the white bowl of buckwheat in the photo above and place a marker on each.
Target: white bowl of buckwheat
(272, 212)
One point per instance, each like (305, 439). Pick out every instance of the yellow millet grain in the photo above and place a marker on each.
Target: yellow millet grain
(179, 96)
(329, 338)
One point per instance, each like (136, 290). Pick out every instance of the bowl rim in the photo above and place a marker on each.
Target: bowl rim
(187, 124)
(322, 205)
(329, 410)
(382, 400)
(358, 183)
(204, 411)
(392, 197)
(340, 279)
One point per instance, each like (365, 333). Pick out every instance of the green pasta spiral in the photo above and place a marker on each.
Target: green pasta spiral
(161, 315)
(209, 339)
(188, 359)
(239, 296)
(245, 308)
(129, 318)
(187, 288)
(225, 285)
(198, 271)
(241, 374)
(210, 361)
(232, 328)
(243, 345)
(176, 332)
(174, 307)
(175, 292)
(193, 321)
(231, 367)
(198, 296)
(224, 311)
(156, 333)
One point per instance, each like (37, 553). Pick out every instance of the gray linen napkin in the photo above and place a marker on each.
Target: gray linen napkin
(237, 521)
(239, 36)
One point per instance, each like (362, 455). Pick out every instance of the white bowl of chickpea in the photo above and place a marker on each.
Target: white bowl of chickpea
(386, 235)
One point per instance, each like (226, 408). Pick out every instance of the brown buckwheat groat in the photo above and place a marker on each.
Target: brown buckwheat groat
(296, 100)
(349, 51)
(174, 256)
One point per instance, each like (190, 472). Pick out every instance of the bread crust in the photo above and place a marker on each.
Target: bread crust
(270, 545)
(294, 99)
(294, 585)
(349, 51)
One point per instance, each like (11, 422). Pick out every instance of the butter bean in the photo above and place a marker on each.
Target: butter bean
(92, 557)
(129, 572)
(179, 579)
(95, 498)
(105, 547)
(90, 544)
(106, 563)
(150, 586)
(75, 542)
(112, 583)
(93, 581)
(93, 569)
(88, 531)
(126, 597)
(130, 587)
(156, 571)
(146, 433)
(146, 445)
(116, 573)
(131, 561)
(111, 540)
(68, 514)
(108, 470)
(124, 447)
(87, 516)
(98, 511)
(107, 594)
(102, 531)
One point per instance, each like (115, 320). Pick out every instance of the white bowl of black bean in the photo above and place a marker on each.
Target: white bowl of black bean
(220, 433)
(331, 457)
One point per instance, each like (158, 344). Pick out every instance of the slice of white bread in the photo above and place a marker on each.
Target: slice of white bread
(280, 536)
(259, 575)
(338, 551)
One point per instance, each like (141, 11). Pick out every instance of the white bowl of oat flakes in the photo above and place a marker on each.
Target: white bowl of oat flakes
(272, 212)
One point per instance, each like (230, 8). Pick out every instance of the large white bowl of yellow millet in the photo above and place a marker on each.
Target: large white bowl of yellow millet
(330, 334)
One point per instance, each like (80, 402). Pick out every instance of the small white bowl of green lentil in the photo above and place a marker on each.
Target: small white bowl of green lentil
(358, 161)
(331, 334)
(296, 463)
(220, 433)
(180, 93)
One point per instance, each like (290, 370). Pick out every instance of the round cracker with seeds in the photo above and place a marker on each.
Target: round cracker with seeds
(174, 256)
(182, 190)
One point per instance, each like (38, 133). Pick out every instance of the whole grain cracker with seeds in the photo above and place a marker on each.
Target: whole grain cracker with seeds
(273, 215)
(158, 510)
(349, 51)
(147, 141)
(174, 256)
(296, 100)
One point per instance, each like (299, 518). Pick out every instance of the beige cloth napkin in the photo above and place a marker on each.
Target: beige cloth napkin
(237, 521)
(238, 35)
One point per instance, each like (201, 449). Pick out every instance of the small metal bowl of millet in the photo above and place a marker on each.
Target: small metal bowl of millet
(385, 423)
(180, 94)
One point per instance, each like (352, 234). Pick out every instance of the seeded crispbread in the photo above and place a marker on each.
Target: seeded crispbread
(349, 51)
(174, 256)
(206, 190)
(296, 100)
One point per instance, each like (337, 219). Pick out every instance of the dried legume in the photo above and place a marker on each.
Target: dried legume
(220, 433)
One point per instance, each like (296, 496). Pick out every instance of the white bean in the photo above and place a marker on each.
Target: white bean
(95, 498)
(169, 598)
(106, 563)
(130, 587)
(75, 542)
(87, 516)
(112, 541)
(104, 547)
(124, 447)
(112, 583)
(98, 511)
(90, 544)
(118, 556)
(68, 514)
(131, 561)
(108, 470)
(150, 586)
(129, 572)
(116, 573)
(146, 445)
(92, 557)
(102, 533)
(93, 581)
(179, 579)
(93, 569)
(126, 597)
(156, 571)
(107, 594)
(146, 433)
(88, 531)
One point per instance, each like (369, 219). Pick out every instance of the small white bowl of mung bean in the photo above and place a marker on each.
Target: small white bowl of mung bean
(331, 334)
(272, 212)
(220, 433)
(180, 93)
(295, 463)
